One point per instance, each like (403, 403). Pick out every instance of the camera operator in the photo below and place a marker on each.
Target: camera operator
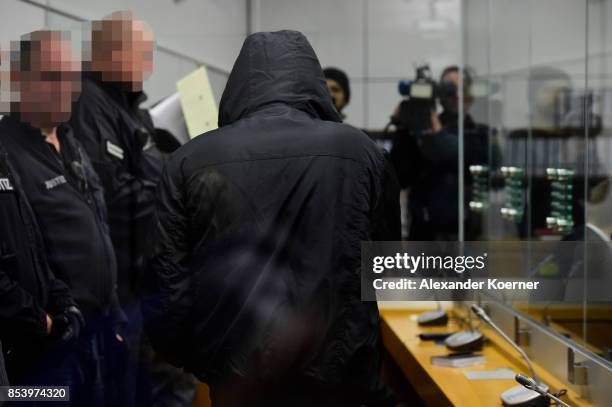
(425, 154)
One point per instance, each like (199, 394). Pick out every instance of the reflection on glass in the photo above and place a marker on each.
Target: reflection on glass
(548, 106)
(597, 320)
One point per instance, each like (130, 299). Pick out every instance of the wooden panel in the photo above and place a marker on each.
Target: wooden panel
(202, 398)
(444, 386)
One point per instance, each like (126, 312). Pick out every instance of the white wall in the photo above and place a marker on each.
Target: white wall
(376, 41)
(393, 36)
(18, 18)
(505, 38)
(211, 31)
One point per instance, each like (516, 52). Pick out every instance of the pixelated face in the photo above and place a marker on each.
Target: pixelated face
(49, 84)
(337, 94)
(4, 75)
(124, 52)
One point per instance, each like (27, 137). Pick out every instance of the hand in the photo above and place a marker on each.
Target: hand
(119, 337)
(436, 125)
(68, 324)
(49, 324)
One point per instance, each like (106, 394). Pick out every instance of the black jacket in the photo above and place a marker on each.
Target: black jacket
(119, 139)
(259, 230)
(28, 289)
(67, 199)
(3, 376)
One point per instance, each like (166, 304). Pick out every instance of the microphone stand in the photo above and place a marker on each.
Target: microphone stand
(518, 395)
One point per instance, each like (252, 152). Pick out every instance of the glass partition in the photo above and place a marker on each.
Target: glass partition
(539, 80)
(597, 321)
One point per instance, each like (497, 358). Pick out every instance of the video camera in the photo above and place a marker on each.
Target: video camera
(420, 95)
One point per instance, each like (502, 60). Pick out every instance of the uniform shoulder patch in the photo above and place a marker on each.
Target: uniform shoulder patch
(114, 150)
(55, 182)
(6, 185)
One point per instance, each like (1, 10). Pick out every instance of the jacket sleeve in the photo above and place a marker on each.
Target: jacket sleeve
(440, 148)
(406, 158)
(97, 190)
(19, 311)
(3, 376)
(386, 217)
(386, 226)
(129, 193)
(60, 296)
(168, 301)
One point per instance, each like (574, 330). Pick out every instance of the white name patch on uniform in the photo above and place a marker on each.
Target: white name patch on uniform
(114, 150)
(5, 184)
(55, 182)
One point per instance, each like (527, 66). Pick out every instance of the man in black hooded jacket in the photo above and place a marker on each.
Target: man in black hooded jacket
(257, 253)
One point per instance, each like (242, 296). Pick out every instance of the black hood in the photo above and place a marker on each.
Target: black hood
(276, 67)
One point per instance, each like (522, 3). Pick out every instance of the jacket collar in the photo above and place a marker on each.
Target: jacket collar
(118, 91)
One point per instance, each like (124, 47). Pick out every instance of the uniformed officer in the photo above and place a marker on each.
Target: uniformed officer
(67, 201)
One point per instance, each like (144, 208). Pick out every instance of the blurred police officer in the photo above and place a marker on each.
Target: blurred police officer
(67, 200)
(120, 139)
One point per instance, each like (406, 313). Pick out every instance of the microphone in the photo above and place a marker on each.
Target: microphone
(531, 384)
(519, 395)
(439, 317)
(526, 381)
(469, 340)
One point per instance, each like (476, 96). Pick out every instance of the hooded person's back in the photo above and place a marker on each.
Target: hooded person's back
(257, 250)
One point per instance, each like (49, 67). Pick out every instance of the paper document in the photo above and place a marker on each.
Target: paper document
(198, 102)
(501, 373)
(168, 115)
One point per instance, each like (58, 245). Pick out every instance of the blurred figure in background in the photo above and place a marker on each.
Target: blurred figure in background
(66, 199)
(339, 88)
(428, 164)
(120, 139)
(257, 252)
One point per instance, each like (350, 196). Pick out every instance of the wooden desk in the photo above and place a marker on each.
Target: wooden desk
(446, 386)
